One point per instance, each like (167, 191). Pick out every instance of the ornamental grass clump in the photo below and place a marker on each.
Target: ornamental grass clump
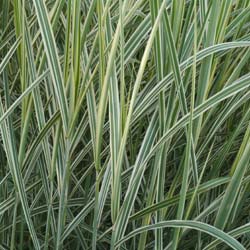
(124, 124)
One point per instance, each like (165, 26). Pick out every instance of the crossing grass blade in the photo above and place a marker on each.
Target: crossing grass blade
(230, 241)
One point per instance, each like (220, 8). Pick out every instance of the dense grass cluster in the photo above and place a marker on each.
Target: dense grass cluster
(124, 124)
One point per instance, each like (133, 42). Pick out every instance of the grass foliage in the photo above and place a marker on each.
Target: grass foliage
(124, 124)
